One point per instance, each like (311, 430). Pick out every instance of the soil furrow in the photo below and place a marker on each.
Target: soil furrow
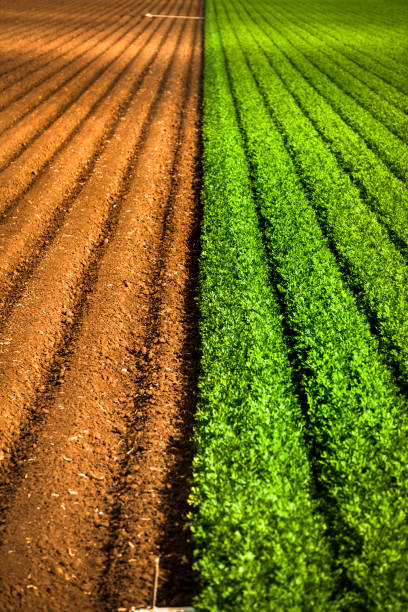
(32, 56)
(29, 39)
(22, 26)
(28, 24)
(113, 86)
(35, 328)
(31, 77)
(150, 495)
(25, 120)
(123, 375)
(28, 228)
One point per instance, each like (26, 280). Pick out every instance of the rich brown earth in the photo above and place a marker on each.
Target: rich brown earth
(99, 167)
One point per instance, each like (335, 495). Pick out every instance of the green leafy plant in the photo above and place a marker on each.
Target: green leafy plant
(301, 470)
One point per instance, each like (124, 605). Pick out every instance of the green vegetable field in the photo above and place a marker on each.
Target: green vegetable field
(300, 490)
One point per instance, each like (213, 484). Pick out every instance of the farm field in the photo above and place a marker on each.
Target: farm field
(99, 154)
(301, 466)
(203, 298)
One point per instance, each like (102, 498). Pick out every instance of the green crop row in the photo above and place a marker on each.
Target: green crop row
(259, 538)
(324, 42)
(386, 194)
(356, 417)
(388, 84)
(374, 264)
(300, 488)
(330, 63)
(366, 30)
(389, 147)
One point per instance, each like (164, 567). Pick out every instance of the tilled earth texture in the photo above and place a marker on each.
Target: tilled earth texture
(99, 161)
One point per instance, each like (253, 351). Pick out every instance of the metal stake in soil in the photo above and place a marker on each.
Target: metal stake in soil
(156, 580)
(154, 598)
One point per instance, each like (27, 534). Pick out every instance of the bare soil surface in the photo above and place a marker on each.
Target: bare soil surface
(99, 223)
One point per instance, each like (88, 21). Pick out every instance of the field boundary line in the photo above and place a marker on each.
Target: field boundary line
(173, 17)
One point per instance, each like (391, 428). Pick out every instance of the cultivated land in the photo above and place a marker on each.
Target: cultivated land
(99, 159)
(301, 469)
(299, 477)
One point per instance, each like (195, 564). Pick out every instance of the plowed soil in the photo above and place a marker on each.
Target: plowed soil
(99, 219)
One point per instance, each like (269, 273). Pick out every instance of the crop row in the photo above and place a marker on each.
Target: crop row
(386, 194)
(374, 264)
(335, 42)
(303, 293)
(359, 109)
(377, 33)
(258, 534)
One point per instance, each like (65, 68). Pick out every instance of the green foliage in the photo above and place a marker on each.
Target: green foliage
(301, 474)
(314, 92)
(258, 535)
(373, 261)
(354, 408)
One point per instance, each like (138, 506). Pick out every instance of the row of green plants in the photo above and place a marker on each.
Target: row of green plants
(336, 91)
(376, 30)
(258, 533)
(386, 194)
(330, 62)
(344, 379)
(301, 474)
(389, 83)
(374, 265)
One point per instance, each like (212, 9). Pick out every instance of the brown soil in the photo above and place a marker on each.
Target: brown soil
(99, 179)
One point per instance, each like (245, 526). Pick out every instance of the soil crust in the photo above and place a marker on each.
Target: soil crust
(99, 240)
